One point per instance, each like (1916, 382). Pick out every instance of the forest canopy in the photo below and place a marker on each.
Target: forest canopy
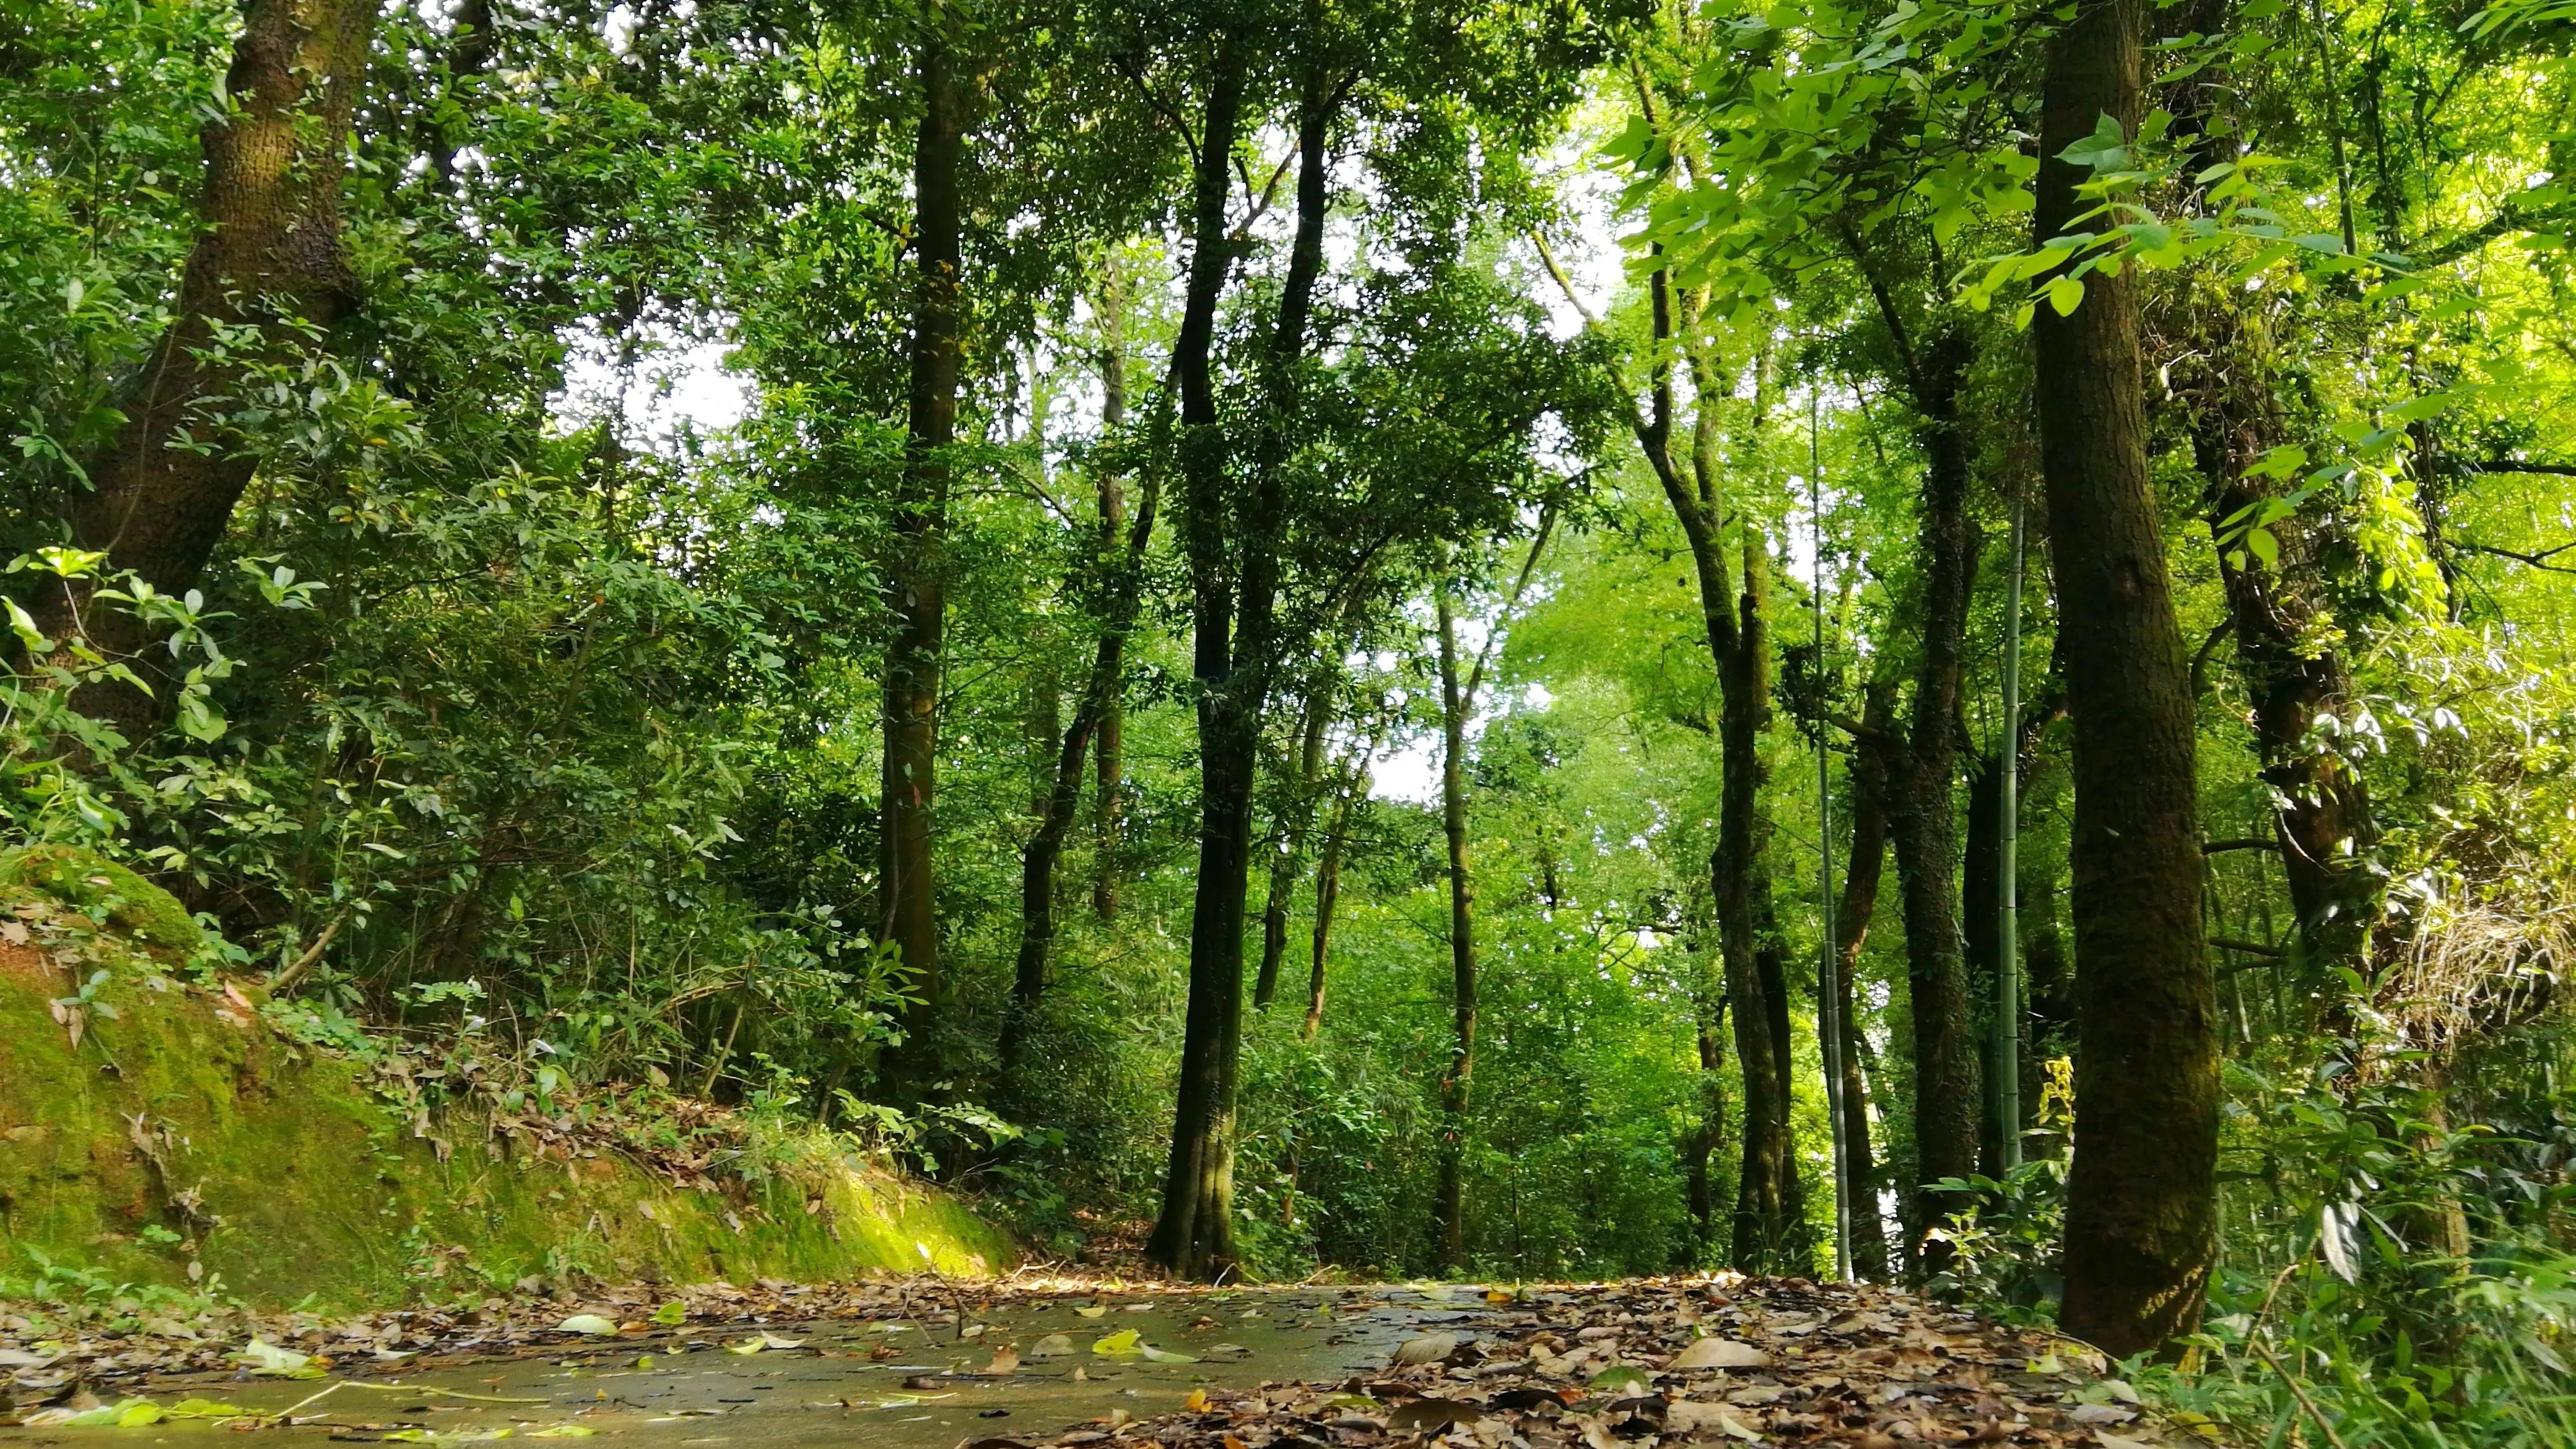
(1924, 641)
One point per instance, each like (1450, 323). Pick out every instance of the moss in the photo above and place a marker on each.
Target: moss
(102, 890)
(272, 1165)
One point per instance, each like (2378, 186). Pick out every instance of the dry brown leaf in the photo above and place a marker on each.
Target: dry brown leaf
(1720, 1353)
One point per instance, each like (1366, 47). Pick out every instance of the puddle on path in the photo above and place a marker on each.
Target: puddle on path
(692, 1392)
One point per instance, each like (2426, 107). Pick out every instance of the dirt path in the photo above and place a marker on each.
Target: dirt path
(936, 1364)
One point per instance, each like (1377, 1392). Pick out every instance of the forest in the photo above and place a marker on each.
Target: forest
(1902, 641)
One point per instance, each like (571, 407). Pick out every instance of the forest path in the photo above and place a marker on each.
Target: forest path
(931, 1364)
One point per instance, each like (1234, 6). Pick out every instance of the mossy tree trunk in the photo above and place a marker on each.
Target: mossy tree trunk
(907, 900)
(2141, 1195)
(1233, 552)
(1853, 914)
(269, 259)
(1449, 1220)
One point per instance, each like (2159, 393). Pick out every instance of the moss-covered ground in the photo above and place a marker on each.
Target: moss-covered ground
(181, 1139)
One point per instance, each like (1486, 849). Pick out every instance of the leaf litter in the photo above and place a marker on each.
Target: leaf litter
(1720, 1361)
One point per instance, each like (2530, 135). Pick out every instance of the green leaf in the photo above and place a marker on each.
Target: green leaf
(2064, 293)
(2417, 409)
(671, 1314)
(1624, 1376)
(1124, 1341)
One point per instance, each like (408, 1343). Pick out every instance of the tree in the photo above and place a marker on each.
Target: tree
(1194, 1234)
(2141, 1197)
(906, 883)
(266, 277)
(1457, 707)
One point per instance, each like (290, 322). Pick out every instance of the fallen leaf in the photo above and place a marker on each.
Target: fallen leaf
(1721, 1353)
(1094, 1311)
(1124, 1341)
(1687, 1417)
(1618, 1377)
(1752, 1394)
(1051, 1345)
(1429, 1348)
(1427, 1415)
(586, 1323)
(263, 1357)
(1006, 1360)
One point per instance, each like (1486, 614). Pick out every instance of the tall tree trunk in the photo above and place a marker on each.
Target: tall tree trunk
(1112, 732)
(1797, 1250)
(1922, 821)
(2291, 676)
(2141, 1194)
(1328, 888)
(905, 884)
(1448, 1227)
(1699, 1181)
(1234, 574)
(1852, 918)
(1194, 1235)
(470, 52)
(1981, 929)
(1100, 695)
(269, 258)
(1739, 648)
(1765, 1183)
(1297, 818)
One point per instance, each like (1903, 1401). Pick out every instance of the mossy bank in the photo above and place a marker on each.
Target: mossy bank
(155, 1130)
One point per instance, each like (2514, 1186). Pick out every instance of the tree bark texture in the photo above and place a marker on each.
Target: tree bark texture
(1194, 1235)
(1296, 820)
(1981, 934)
(1739, 648)
(270, 258)
(1922, 820)
(1110, 748)
(1699, 1179)
(1766, 1181)
(1120, 593)
(915, 571)
(1328, 890)
(1449, 1227)
(2286, 659)
(1234, 577)
(1852, 918)
(2141, 1193)
(1796, 1252)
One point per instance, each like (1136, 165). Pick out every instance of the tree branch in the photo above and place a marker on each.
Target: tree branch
(2540, 560)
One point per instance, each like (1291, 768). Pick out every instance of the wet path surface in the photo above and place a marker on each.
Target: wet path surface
(925, 1379)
